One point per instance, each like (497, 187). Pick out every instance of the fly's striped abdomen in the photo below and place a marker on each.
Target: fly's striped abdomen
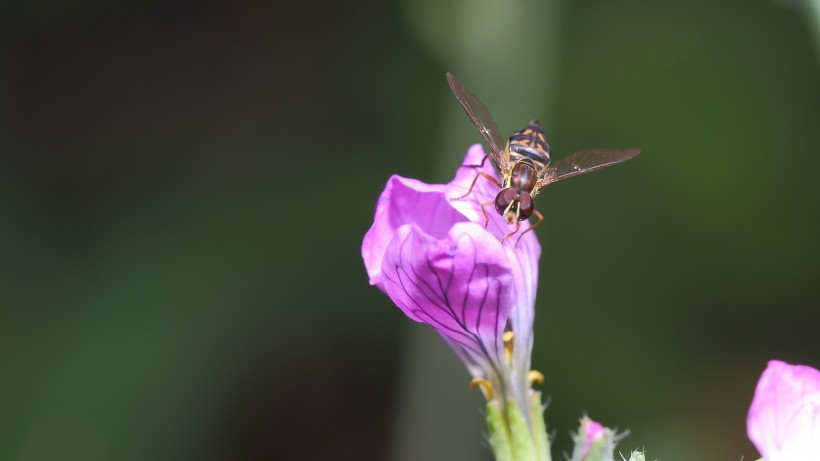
(529, 142)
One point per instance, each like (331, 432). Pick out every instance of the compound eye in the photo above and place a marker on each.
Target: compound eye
(525, 206)
(504, 198)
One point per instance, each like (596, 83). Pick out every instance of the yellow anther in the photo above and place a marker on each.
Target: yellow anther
(509, 339)
(535, 376)
(485, 386)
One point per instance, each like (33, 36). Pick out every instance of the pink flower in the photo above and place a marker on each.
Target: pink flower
(592, 431)
(784, 419)
(594, 442)
(438, 263)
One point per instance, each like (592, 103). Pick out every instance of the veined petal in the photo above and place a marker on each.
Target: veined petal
(478, 365)
(405, 201)
(524, 261)
(784, 418)
(461, 284)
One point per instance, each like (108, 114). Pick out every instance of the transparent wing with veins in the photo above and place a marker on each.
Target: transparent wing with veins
(482, 119)
(585, 162)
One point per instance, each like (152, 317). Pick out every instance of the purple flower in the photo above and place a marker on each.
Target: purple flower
(784, 418)
(435, 259)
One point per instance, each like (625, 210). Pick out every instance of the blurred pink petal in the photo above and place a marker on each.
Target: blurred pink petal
(784, 418)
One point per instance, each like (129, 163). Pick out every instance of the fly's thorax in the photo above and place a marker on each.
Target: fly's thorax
(514, 205)
(524, 176)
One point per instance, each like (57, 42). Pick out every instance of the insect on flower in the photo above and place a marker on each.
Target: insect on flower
(524, 162)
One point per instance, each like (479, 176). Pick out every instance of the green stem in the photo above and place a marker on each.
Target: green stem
(539, 428)
(499, 433)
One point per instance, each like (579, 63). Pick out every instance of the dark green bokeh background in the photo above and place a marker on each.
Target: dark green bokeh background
(184, 187)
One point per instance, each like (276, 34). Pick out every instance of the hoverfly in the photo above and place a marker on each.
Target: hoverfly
(524, 162)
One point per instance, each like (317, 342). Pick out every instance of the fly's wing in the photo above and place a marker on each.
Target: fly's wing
(481, 118)
(585, 162)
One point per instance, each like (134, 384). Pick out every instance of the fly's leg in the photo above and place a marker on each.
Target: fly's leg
(480, 174)
(486, 216)
(517, 226)
(540, 220)
(480, 165)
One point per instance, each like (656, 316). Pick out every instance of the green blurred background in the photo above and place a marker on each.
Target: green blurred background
(184, 187)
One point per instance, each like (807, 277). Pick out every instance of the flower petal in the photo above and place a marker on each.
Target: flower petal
(524, 261)
(405, 201)
(784, 418)
(461, 285)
